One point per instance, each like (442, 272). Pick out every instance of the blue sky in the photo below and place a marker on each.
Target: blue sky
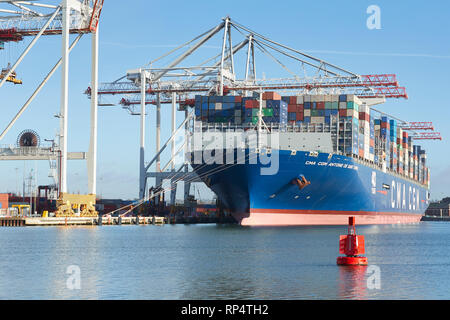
(413, 43)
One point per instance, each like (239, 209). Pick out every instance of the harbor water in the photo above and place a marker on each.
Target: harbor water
(222, 262)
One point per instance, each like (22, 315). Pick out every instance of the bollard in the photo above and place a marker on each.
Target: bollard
(100, 222)
(119, 221)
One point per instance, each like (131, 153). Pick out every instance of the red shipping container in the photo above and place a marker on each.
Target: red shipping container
(237, 99)
(320, 105)
(385, 125)
(372, 143)
(292, 108)
(343, 112)
(271, 96)
(364, 116)
(300, 116)
(251, 104)
(293, 100)
(300, 108)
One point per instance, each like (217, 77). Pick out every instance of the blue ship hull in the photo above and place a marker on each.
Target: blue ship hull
(340, 187)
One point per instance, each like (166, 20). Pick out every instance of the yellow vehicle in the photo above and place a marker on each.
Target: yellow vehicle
(12, 78)
(23, 209)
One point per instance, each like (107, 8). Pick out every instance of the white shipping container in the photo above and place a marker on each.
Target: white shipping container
(218, 106)
(307, 112)
(342, 105)
(299, 99)
(317, 119)
(334, 98)
(352, 113)
(354, 98)
(307, 98)
(327, 98)
(364, 108)
(351, 97)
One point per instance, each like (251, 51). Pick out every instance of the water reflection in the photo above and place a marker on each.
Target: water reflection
(352, 282)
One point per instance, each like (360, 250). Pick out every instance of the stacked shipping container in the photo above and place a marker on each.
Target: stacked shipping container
(360, 134)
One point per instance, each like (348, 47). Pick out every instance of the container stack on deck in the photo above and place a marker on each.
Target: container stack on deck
(360, 133)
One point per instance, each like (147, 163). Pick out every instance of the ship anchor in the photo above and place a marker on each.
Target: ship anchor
(301, 182)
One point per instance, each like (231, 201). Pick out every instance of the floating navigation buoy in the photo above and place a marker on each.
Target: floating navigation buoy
(352, 246)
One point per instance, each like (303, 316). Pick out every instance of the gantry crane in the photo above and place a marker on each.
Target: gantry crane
(427, 136)
(174, 83)
(418, 126)
(41, 18)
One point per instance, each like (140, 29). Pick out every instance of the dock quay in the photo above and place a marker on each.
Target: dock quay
(435, 218)
(104, 221)
(12, 222)
(78, 221)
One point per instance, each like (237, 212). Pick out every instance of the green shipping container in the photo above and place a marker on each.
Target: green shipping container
(352, 105)
(267, 112)
(335, 105)
(255, 120)
(328, 105)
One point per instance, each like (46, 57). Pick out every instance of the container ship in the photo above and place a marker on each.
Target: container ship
(316, 160)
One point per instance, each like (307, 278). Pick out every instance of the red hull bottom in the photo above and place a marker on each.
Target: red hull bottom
(256, 218)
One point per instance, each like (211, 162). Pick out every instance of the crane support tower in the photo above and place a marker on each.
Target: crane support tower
(39, 18)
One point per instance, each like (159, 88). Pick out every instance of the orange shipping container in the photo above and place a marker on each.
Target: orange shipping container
(271, 96)
(4, 197)
(361, 153)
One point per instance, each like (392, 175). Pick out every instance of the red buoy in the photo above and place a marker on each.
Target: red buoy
(352, 246)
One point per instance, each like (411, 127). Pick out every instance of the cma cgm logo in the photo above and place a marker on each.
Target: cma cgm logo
(400, 199)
